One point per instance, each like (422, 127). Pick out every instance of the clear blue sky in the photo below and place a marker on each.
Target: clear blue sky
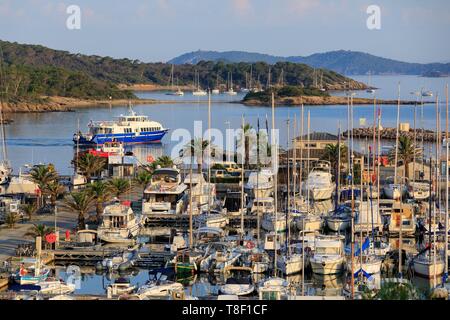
(157, 30)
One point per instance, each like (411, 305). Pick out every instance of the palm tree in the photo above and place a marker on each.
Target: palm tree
(90, 165)
(54, 190)
(119, 186)
(81, 203)
(247, 128)
(143, 178)
(331, 153)
(101, 193)
(29, 209)
(196, 147)
(406, 153)
(39, 230)
(11, 219)
(164, 162)
(43, 175)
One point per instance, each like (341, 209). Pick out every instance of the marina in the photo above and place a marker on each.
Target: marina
(160, 222)
(145, 156)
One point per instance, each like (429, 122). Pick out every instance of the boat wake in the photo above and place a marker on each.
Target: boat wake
(30, 142)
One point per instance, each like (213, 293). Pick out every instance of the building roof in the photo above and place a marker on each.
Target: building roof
(319, 136)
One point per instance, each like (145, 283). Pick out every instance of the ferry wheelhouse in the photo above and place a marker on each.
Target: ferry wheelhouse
(128, 129)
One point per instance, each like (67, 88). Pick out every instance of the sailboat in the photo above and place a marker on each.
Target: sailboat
(216, 90)
(370, 89)
(319, 184)
(5, 166)
(230, 91)
(174, 92)
(429, 263)
(198, 91)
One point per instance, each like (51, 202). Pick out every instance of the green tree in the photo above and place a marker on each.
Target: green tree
(331, 154)
(196, 148)
(43, 175)
(81, 203)
(143, 178)
(90, 165)
(406, 153)
(39, 230)
(119, 186)
(54, 190)
(101, 193)
(29, 210)
(11, 219)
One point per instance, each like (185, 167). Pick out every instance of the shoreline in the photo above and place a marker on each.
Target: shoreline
(331, 100)
(66, 104)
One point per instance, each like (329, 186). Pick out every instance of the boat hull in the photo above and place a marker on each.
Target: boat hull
(327, 266)
(429, 269)
(126, 138)
(291, 265)
(338, 225)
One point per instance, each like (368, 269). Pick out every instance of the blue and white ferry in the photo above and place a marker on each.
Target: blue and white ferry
(128, 129)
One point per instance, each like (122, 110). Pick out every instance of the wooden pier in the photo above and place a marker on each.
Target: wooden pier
(182, 220)
(86, 255)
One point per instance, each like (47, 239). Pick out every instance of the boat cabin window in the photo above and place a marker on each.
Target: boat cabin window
(100, 130)
(115, 222)
(167, 176)
(327, 250)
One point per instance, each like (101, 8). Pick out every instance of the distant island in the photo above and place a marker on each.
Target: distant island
(292, 96)
(37, 78)
(341, 61)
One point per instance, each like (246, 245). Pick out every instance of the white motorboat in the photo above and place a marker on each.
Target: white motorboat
(290, 264)
(239, 284)
(32, 275)
(308, 222)
(165, 194)
(428, 266)
(340, 220)
(214, 220)
(394, 190)
(272, 223)
(403, 214)
(260, 184)
(319, 184)
(53, 286)
(370, 263)
(273, 289)
(119, 224)
(419, 190)
(158, 289)
(203, 192)
(5, 172)
(272, 241)
(328, 255)
(119, 288)
(262, 206)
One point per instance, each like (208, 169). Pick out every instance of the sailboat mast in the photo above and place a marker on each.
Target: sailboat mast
(274, 152)
(209, 152)
(446, 186)
(242, 178)
(288, 189)
(396, 136)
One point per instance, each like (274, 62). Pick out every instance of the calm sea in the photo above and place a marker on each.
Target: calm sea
(47, 137)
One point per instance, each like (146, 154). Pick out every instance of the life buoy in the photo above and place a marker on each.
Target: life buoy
(250, 245)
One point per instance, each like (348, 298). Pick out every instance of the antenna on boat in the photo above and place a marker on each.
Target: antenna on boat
(130, 108)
